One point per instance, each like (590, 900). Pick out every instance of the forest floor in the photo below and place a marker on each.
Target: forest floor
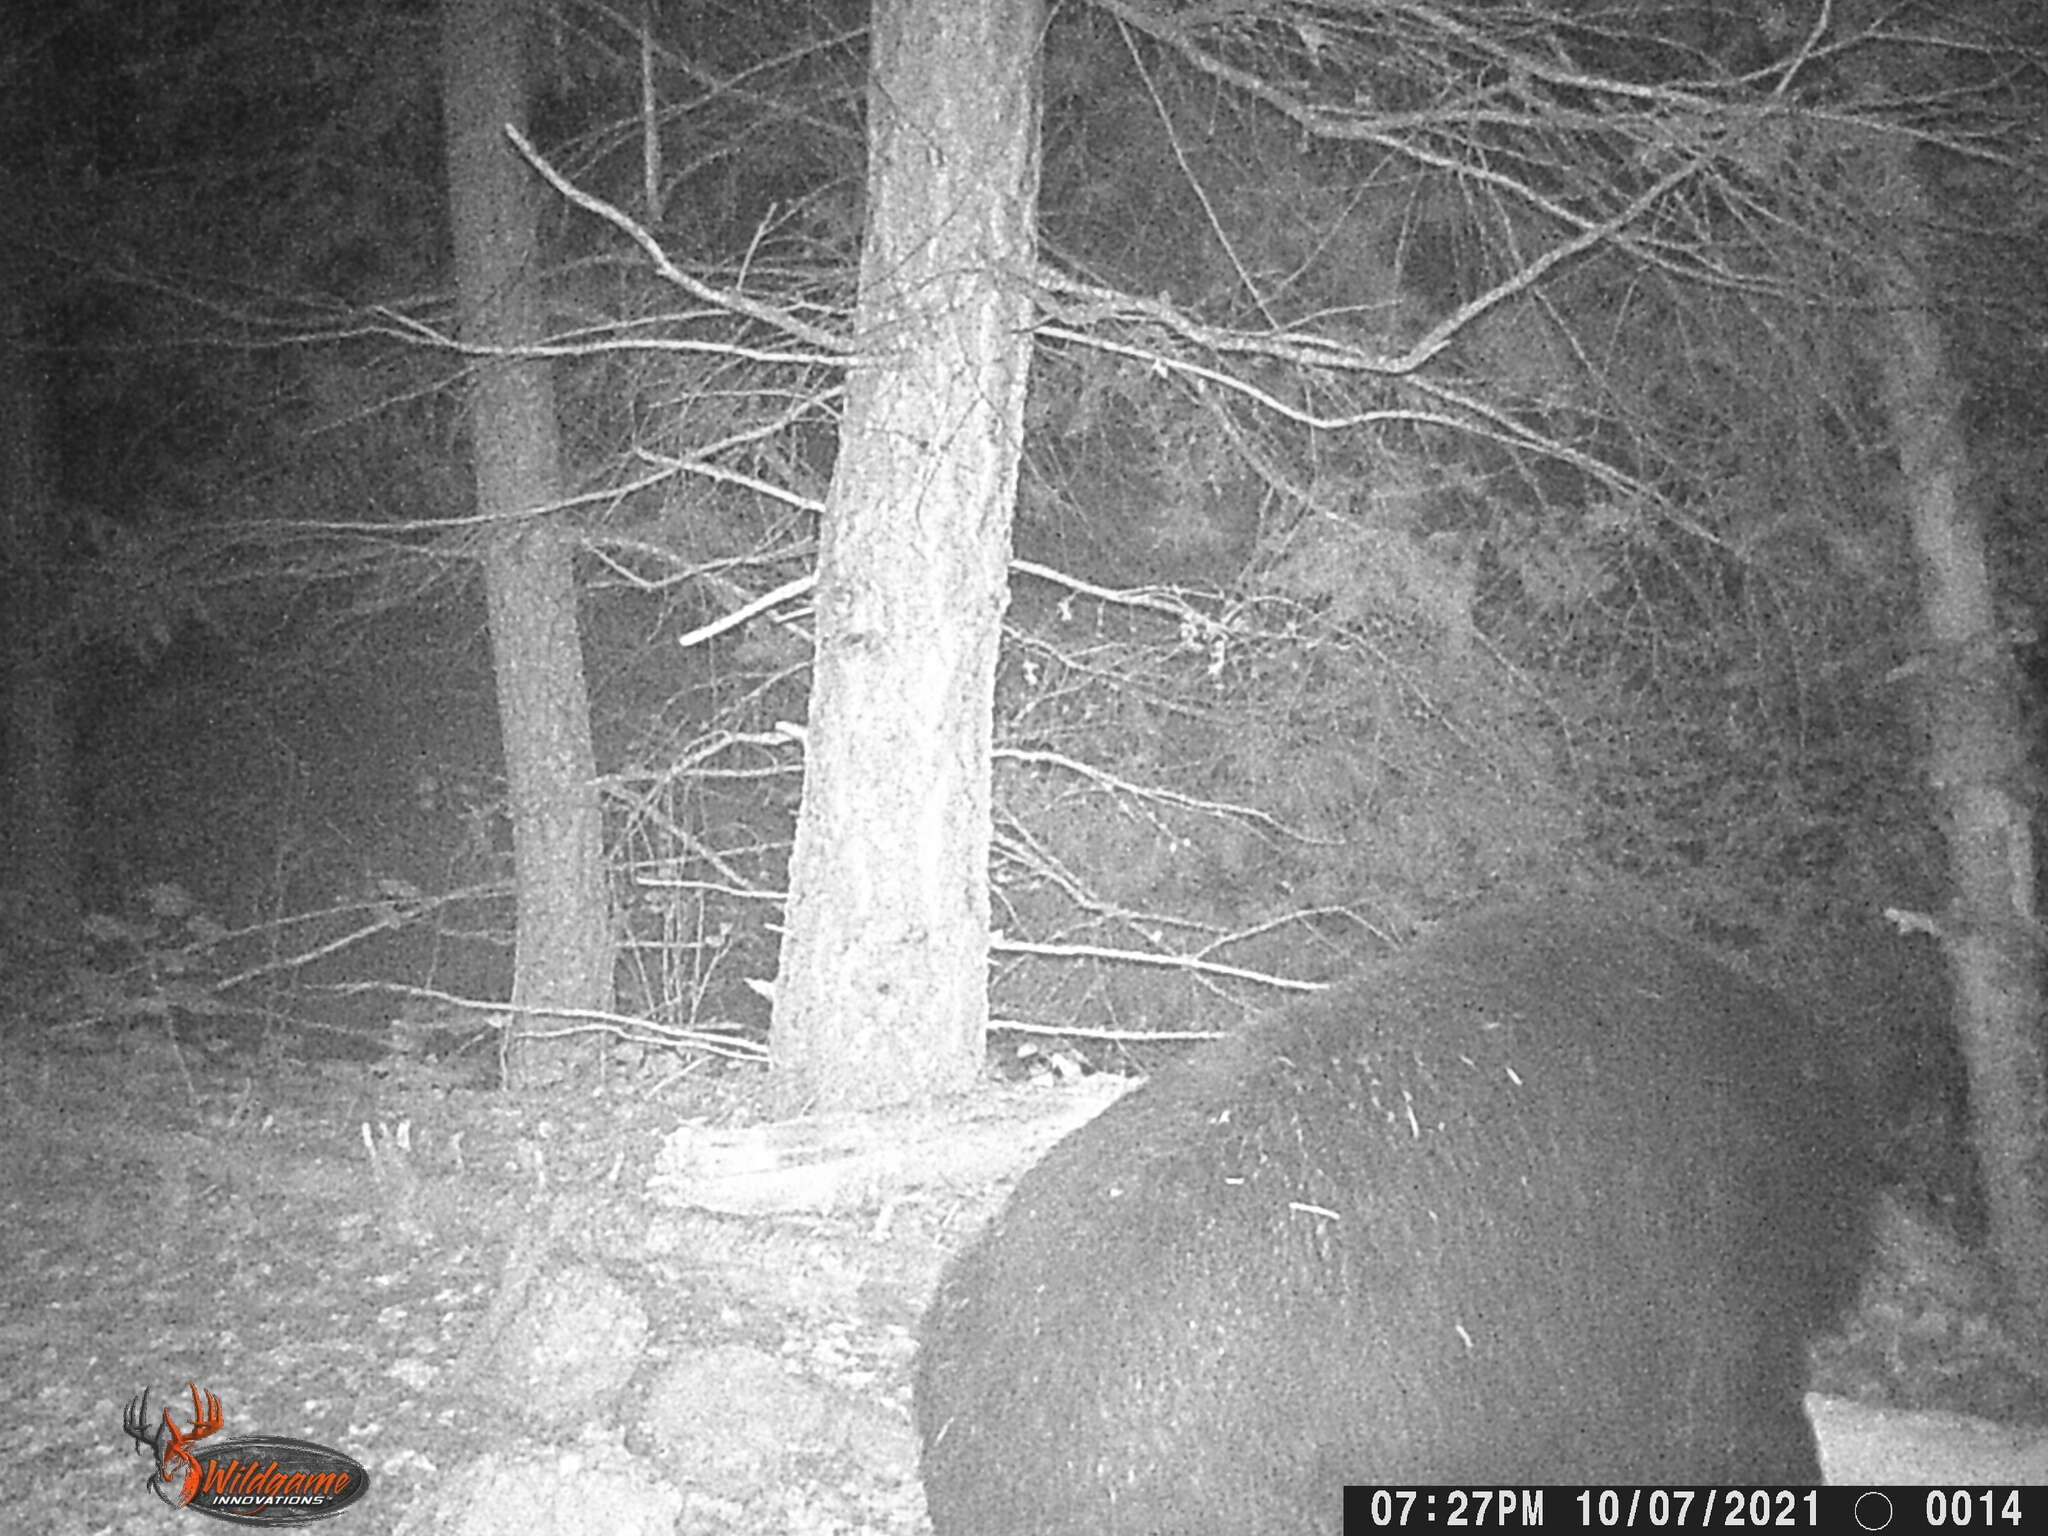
(467, 1290)
(320, 1245)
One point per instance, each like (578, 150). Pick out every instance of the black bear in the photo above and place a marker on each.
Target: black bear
(1550, 1197)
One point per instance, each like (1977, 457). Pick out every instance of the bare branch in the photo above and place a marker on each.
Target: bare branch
(738, 303)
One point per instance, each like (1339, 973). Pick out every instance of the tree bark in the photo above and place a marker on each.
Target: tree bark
(563, 958)
(883, 988)
(1977, 756)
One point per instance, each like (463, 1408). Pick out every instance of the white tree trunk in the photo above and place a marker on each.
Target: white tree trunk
(883, 989)
(563, 955)
(1977, 754)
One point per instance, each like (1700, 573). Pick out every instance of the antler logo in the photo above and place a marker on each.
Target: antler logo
(260, 1480)
(175, 1463)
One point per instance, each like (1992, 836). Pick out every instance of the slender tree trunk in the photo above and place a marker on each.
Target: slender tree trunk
(564, 956)
(38, 839)
(1977, 758)
(883, 989)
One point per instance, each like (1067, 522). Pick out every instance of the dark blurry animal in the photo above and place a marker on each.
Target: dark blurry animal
(1549, 1197)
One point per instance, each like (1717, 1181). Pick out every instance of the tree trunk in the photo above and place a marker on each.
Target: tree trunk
(883, 987)
(563, 958)
(39, 853)
(1977, 757)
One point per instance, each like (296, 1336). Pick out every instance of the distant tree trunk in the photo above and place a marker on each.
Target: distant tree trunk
(564, 956)
(39, 898)
(1978, 755)
(883, 988)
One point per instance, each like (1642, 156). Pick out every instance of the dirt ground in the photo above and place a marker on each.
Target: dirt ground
(326, 1247)
(487, 1302)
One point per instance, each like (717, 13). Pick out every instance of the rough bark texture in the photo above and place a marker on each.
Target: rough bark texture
(883, 990)
(563, 958)
(1977, 758)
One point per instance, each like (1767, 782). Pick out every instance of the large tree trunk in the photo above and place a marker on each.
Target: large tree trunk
(564, 957)
(38, 839)
(883, 988)
(1977, 756)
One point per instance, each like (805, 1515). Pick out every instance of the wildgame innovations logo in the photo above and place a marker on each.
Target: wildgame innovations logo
(259, 1480)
